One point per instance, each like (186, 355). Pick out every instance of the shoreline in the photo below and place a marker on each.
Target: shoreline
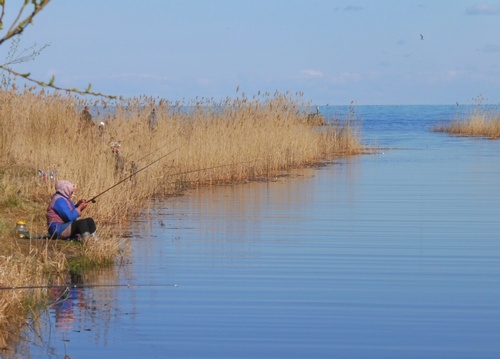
(205, 148)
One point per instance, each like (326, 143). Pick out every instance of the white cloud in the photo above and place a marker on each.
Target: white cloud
(345, 78)
(136, 75)
(449, 75)
(483, 9)
(352, 8)
(312, 73)
(204, 81)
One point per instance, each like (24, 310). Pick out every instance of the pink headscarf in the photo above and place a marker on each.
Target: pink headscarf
(66, 188)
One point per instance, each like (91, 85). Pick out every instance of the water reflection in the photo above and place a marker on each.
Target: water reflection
(81, 312)
(64, 299)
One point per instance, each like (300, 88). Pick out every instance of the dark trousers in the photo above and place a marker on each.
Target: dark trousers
(80, 226)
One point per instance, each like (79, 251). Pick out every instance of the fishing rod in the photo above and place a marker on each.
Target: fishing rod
(208, 168)
(85, 286)
(150, 153)
(132, 175)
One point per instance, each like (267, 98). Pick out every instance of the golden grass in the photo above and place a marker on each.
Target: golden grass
(201, 142)
(23, 273)
(480, 123)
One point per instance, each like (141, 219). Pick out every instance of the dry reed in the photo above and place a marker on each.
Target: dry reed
(200, 142)
(480, 123)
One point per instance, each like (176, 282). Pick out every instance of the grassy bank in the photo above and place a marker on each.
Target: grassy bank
(196, 143)
(480, 123)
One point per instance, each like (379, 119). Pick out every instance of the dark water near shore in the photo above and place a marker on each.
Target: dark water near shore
(393, 255)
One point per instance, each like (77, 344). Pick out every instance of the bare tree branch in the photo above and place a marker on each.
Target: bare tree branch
(50, 84)
(16, 28)
(18, 25)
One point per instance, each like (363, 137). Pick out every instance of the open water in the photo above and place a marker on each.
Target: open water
(392, 255)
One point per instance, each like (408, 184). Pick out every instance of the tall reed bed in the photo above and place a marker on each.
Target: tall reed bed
(480, 122)
(194, 143)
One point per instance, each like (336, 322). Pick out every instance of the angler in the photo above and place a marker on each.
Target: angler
(63, 215)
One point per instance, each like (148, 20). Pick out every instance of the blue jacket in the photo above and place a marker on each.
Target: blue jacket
(60, 214)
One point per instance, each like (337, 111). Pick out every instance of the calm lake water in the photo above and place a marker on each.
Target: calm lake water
(393, 255)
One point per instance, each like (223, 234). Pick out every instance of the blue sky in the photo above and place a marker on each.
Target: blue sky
(335, 52)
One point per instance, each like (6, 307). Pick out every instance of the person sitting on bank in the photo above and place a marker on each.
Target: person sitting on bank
(86, 117)
(152, 120)
(63, 214)
(119, 160)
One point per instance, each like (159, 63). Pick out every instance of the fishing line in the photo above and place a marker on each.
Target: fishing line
(86, 286)
(150, 153)
(209, 168)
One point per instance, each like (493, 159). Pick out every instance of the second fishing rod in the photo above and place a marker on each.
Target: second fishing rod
(93, 199)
